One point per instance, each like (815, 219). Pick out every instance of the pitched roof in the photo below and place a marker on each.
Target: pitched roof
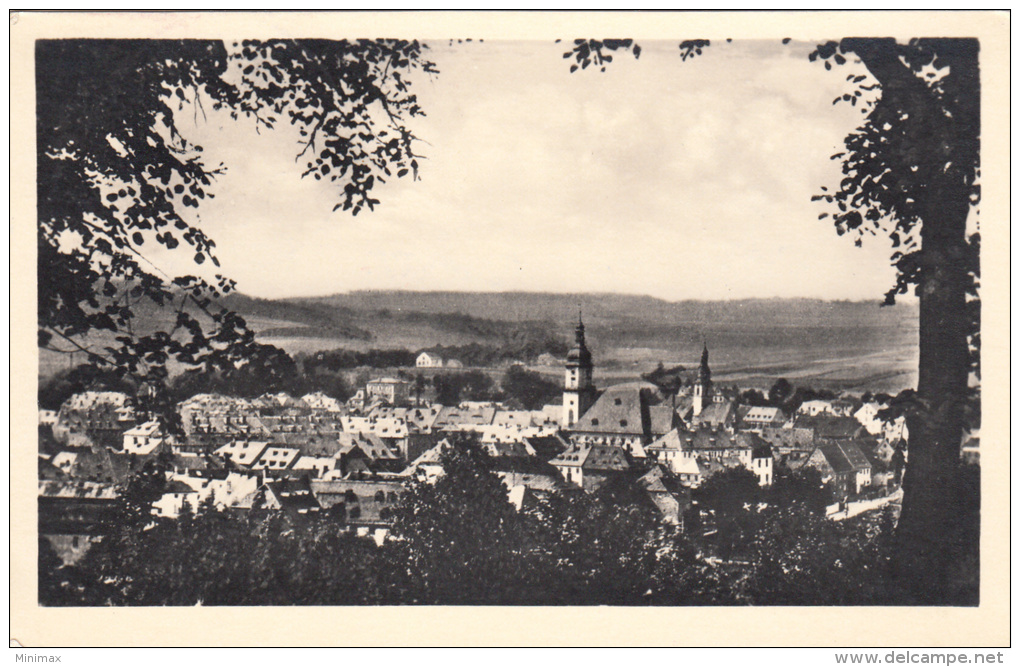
(416, 419)
(454, 416)
(178, 486)
(385, 427)
(605, 457)
(370, 444)
(716, 414)
(103, 465)
(512, 417)
(660, 479)
(277, 458)
(320, 401)
(547, 446)
(843, 457)
(48, 471)
(669, 442)
(686, 465)
(294, 495)
(371, 497)
(149, 428)
(788, 438)
(432, 456)
(242, 452)
(517, 464)
(593, 457)
(76, 489)
(828, 426)
(88, 399)
(759, 448)
(758, 414)
(507, 449)
(663, 419)
(622, 409)
(704, 438)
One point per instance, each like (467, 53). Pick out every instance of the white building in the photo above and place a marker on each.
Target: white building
(429, 360)
(889, 431)
(391, 390)
(144, 439)
(815, 407)
(320, 401)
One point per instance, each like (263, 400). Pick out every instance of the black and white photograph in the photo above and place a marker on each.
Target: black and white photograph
(413, 319)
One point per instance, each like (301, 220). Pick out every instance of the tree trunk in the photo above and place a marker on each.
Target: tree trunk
(928, 543)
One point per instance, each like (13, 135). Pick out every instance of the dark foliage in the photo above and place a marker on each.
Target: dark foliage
(116, 177)
(267, 369)
(668, 379)
(529, 390)
(596, 52)
(342, 359)
(473, 385)
(64, 384)
(457, 540)
(912, 173)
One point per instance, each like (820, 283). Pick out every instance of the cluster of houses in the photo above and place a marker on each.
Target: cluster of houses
(315, 454)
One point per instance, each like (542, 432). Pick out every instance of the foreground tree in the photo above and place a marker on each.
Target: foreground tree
(911, 172)
(461, 540)
(116, 176)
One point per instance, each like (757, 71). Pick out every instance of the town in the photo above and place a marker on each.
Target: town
(353, 459)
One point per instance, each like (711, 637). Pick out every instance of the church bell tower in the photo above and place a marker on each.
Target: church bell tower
(578, 390)
(703, 387)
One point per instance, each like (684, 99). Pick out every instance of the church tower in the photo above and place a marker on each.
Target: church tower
(578, 390)
(703, 387)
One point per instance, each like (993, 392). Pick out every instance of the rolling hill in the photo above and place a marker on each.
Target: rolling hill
(839, 344)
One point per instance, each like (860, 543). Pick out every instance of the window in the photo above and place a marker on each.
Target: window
(623, 423)
(595, 421)
(618, 401)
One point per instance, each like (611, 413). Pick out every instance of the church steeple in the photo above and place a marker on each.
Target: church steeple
(580, 351)
(703, 387)
(578, 390)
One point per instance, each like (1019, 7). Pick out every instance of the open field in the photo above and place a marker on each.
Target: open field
(834, 345)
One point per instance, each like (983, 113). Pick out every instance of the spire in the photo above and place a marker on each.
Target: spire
(580, 351)
(704, 373)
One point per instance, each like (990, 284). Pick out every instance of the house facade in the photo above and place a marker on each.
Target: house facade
(428, 359)
(390, 390)
(843, 465)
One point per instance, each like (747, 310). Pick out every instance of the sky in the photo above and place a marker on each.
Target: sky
(679, 180)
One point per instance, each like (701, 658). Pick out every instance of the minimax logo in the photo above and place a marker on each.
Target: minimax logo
(25, 657)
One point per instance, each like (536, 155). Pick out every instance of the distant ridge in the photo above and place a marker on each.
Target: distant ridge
(561, 308)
